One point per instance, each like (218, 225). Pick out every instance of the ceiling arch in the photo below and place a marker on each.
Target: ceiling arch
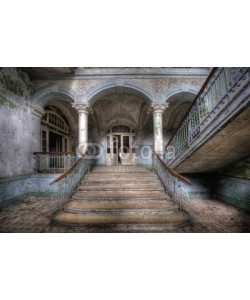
(53, 92)
(119, 86)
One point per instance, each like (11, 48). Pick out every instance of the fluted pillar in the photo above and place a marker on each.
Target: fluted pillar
(83, 112)
(158, 109)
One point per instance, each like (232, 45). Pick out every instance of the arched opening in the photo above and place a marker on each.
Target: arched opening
(179, 104)
(58, 137)
(55, 131)
(118, 112)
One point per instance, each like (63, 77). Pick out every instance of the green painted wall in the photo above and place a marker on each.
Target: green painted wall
(240, 169)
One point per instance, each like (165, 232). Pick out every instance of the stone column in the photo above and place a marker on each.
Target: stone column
(83, 111)
(157, 109)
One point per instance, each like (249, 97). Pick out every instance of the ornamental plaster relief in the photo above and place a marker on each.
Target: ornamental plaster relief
(81, 90)
(161, 86)
(80, 86)
(157, 85)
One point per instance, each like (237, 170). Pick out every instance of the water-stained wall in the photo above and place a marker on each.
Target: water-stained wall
(19, 127)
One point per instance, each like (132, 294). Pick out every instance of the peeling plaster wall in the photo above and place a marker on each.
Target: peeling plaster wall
(232, 190)
(202, 185)
(17, 188)
(235, 191)
(240, 169)
(20, 129)
(232, 184)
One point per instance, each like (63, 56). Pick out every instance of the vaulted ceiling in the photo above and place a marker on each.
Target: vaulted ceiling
(122, 109)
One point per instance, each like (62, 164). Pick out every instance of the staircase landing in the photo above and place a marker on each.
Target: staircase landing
(121, 199)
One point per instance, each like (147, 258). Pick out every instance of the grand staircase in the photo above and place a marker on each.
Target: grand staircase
(121, 199)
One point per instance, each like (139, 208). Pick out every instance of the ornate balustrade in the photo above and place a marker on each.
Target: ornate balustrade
(224, 94)
(173, 182)
(69, 181)
(54, 162)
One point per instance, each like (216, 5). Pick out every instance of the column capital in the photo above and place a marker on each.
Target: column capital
(83, 108)
(158, 107)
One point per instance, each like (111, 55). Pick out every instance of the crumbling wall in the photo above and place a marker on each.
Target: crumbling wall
(19, 127)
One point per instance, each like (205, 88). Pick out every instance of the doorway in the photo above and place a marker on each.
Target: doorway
(121, 146)
(55, 142)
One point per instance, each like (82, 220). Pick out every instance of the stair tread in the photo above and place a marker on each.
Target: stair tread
(110, 198)
(110, 175)
(117, 205)
(120, 194)
(121, 200)
(78, 219)
(118, 188)
(118, 181)
(119, 184)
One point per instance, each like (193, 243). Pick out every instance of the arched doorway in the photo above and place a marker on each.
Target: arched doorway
(55, 131)
(121, 146)
(118, 108)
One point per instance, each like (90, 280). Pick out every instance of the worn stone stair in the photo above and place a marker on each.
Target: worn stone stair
(121, 202)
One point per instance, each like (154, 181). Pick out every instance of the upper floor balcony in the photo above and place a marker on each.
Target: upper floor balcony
(223, 97)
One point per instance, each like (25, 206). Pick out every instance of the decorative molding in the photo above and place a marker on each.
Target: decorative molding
(37, 111)
(159, 86)
(157, 107)
(83, 108)
(162, 86)
(80, 86)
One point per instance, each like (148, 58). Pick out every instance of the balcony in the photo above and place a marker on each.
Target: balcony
(54, 162)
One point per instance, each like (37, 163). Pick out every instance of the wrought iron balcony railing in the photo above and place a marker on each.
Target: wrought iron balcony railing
(54, 162)
(220, 93)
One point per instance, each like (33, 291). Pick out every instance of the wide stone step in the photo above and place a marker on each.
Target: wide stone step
(121, 186)
(73, 219)
(123, 200)
(119, 180)
(124, 208)
(120, 169)
(120, 194)
(121, 175)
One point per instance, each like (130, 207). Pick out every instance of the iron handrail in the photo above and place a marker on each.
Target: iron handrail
(66, 172)
(182, 178)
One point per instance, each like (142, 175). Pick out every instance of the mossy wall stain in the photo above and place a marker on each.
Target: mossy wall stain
(15, 81)
(234, 195)
(4, 101)
(11, 85)
(240, 169)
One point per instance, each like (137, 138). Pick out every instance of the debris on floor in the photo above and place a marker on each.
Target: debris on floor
(207, 215)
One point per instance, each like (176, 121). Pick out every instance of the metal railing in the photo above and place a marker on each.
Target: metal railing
(217, 93)
(173, 182)
(54, 162)
(69, 181)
